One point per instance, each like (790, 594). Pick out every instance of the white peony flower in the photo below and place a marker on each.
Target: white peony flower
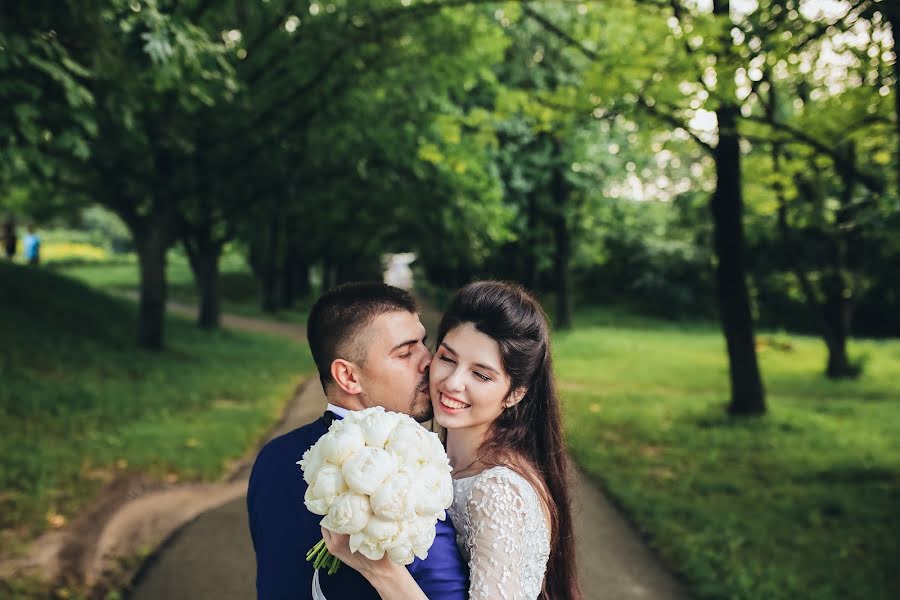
(328, 485)
(362, 543)
(396, 498)
(381, 478)
(367, 469)
(341, 441)
(434, 491)
(377, 425)
(409, 442)
(377, 534)
(435, 451)
(421, 533)
(310, 463)
(348, 514)
(401, 551)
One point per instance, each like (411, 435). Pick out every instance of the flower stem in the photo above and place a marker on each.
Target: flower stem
(322, 558)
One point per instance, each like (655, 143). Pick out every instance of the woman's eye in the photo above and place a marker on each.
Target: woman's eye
(447, 359)
(407, 355)
(481, 376)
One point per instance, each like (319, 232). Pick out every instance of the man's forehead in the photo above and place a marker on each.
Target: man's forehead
(397, 327)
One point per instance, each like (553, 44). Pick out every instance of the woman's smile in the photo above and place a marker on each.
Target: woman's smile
(451, 404)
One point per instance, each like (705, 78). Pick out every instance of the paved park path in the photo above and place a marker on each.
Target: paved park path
(212, 556)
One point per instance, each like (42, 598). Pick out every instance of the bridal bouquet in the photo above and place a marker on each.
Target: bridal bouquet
(381, 478)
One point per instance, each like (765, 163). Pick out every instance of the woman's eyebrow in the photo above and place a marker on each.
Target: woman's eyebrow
(479, 365)
(487, 368)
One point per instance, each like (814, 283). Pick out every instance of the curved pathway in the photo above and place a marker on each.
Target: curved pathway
(212, 556)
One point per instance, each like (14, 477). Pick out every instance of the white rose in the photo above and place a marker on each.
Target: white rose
(310, 463)
(328, 484)
(434, 490)
(409, 443)
(395, 499)
(421, 534)
(367, 469)
(348, 514)
(341, 441)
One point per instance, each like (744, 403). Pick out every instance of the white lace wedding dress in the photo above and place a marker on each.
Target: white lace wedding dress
(501, 533)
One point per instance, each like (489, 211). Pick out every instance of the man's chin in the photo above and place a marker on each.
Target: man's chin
(422, 408)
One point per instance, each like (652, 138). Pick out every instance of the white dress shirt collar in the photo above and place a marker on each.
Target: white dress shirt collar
(340, 411)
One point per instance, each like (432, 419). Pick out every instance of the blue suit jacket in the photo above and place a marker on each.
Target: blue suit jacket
(283, 531)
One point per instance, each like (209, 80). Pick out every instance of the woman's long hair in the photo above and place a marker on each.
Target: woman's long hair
(530, 430)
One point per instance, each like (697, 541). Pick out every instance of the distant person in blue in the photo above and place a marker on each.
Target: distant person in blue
(369, 347)
(9, 238)
(32, 247)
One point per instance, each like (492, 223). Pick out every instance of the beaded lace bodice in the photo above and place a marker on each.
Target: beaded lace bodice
(501, 533)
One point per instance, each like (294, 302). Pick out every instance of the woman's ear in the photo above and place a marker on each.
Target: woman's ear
(344, 374)
(515, 397)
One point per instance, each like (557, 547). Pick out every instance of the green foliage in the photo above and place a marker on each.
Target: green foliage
(331, 133)
(801, 503)
(648, 255)
(80, 405)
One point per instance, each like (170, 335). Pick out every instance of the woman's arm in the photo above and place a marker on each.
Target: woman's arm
(390, 580)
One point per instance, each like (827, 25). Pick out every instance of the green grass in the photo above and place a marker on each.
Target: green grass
(240, 291)
(802, 503)
(80, 404)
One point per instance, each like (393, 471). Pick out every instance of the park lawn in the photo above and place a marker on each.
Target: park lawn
(803, 503)
(239, 289)
(81, 404)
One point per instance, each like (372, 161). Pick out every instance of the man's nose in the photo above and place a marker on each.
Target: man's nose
(425, 360)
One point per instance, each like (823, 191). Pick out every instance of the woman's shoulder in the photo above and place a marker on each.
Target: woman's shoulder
(500, 484)
(500, 501)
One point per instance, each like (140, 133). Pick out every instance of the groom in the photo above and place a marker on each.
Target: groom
(369, 347)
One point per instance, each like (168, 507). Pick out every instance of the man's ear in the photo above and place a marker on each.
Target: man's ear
(515, 397)
(344, 374)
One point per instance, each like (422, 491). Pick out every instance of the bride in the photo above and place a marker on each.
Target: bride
(493, 389)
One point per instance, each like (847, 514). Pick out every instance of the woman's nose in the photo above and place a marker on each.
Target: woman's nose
(453, 382)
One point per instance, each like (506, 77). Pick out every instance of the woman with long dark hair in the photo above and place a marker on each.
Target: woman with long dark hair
(493, 389)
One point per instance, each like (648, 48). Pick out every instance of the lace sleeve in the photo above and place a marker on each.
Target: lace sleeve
(508, 541)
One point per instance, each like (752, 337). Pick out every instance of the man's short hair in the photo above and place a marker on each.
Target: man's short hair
(340, 316)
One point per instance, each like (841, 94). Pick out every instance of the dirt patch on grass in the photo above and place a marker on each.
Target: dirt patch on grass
(133, 515)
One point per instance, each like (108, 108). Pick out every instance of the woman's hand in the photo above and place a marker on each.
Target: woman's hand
(376, 571)
(390, 580)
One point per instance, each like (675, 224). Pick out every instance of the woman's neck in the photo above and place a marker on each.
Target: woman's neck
(462, 449)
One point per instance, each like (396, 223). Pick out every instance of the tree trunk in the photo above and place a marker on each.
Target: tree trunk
(329, 274)
(747, 394)
(288, 278)
(892, 10)
(203, 255)
(837, 315)
(532, 274)
(563, 243)
(833, 315)
(152, 243)
(838, 311)
(838, 294)
(294, 273)
(269, 257)
(300, 279)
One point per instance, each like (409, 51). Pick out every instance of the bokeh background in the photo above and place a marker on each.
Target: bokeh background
(703, 193)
